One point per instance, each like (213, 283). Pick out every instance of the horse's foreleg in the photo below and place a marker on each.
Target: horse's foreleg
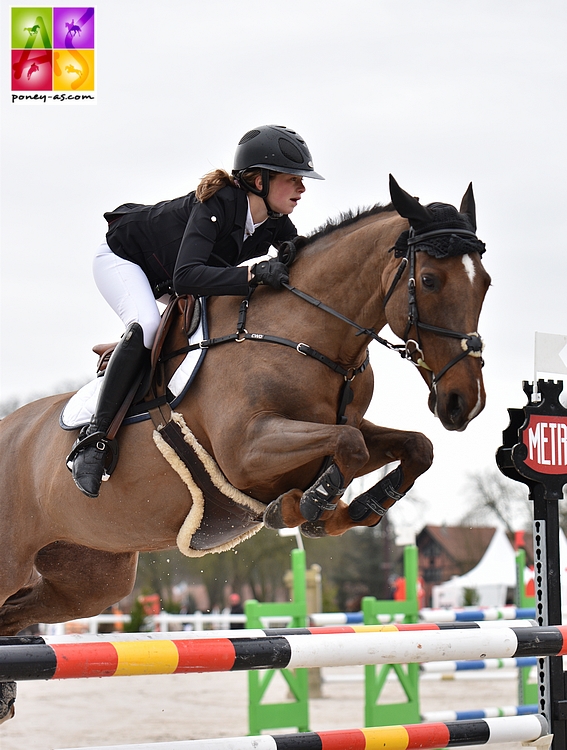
(414, 452)
(287, 450)
(296, 507)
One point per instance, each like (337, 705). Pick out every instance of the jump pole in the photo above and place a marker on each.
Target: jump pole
(388, 645)
(526, 729)
(469, 614)
(203, 635)
(534, 452)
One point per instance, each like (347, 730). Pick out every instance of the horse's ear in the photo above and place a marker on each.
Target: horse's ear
(468, 206)
(408, 207)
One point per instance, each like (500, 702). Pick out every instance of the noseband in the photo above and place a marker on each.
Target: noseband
(462, 241)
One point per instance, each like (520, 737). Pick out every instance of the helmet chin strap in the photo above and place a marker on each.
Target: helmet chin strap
(262, 192)
(271, 213)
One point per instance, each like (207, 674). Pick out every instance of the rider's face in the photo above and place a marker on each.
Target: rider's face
(285, 192)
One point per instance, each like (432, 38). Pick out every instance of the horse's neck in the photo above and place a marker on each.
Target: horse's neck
(347, 273)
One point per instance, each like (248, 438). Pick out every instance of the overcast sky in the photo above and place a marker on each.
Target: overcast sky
(437, 92)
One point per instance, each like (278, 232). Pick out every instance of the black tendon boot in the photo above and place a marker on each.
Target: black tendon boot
(92, 451)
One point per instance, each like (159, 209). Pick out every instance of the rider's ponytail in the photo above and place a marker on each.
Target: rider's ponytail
(211, 183)
(219, 178)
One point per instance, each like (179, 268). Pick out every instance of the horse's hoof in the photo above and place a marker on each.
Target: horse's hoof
(313, 529)
(273, 518)
(7, 700)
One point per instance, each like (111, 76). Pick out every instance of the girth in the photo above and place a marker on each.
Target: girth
(223, 519)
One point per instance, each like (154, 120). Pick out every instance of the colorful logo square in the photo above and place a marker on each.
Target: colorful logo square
(73, 71)
(73, 28)
(32, 27)
(32, 70)
(53, 50)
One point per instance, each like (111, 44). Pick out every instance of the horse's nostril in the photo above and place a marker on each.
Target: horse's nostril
(455, 408)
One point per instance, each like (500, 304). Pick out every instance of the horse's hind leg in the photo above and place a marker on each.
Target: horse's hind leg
(74, 582)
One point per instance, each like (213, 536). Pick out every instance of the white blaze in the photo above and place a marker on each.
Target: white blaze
(469, 267)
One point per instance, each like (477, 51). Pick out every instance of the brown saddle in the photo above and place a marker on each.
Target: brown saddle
(179, 307)
(182, 312)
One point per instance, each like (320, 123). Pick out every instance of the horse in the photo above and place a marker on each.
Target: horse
(32, 69)
(284, 424)
(72, 28)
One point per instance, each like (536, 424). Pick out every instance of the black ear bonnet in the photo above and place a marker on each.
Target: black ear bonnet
(437, 239)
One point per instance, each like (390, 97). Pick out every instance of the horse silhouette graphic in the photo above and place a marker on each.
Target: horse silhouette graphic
(73, 69)
(32, 30)
(33, 68)
(72, 28)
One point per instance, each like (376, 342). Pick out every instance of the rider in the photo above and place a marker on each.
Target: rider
(191, 245)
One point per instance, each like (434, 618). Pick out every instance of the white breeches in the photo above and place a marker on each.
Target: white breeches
(127, 290)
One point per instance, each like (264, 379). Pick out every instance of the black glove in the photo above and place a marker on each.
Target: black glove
(270, 272)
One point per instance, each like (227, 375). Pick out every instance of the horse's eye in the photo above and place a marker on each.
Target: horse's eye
(428, 282)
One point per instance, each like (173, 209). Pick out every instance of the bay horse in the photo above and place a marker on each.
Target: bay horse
(284, 424)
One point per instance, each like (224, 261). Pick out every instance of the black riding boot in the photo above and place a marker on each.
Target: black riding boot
(90, 452)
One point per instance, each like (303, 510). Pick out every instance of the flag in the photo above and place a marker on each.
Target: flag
(548, 347)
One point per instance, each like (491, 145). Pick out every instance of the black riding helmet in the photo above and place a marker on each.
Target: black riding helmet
(272, 148)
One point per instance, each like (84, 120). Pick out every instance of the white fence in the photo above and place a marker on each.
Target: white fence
(164, 622)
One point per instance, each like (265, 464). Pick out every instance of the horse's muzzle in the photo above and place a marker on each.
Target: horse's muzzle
(453, 409)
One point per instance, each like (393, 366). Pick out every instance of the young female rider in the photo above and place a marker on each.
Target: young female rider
(192, 244)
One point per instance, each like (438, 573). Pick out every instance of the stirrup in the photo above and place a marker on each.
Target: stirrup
(102, 443)
(323, 494)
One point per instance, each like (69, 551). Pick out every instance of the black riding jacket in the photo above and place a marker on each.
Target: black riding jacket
(197, 245)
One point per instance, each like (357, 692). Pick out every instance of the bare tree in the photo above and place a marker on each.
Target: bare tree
(9, 405)
(495, 498)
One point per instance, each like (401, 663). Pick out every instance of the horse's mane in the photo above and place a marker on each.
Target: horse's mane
(345, 219)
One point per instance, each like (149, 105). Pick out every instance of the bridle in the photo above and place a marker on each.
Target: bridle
(471, 343)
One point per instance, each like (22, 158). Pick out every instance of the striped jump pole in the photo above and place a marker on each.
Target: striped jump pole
(28, 640)
(404, 737)
(444, 668)
(429, 615)
(468, 615)
(107, 659)
(448, 667)
(481, 713)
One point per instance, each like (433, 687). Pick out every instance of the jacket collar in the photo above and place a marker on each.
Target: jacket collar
(237, 233)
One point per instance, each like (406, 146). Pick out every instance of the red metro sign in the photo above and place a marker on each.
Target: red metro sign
(545, 440)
